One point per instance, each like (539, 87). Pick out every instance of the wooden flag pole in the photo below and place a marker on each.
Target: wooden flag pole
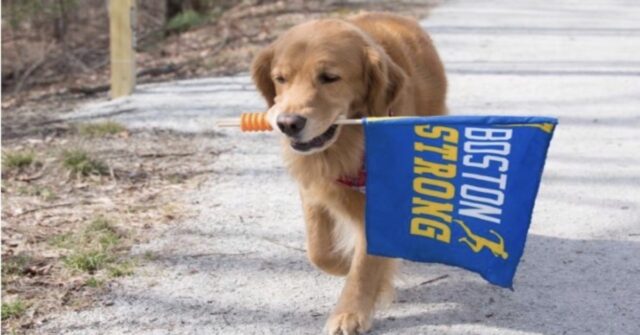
(122, 15)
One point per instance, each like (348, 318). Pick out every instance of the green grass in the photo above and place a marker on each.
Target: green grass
(17, 160)
(80, 163)
(185, 21)
(100, 224)
(149, 256)
(121, 269)
(102, 231)
(64, 241)
(14, 264)
(87, 260)
(95, 248)
(100, 129)
(93, 282)
(12, 309)
(38, 191)
(176, 178)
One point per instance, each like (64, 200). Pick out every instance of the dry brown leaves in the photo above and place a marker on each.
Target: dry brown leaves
(140, 195)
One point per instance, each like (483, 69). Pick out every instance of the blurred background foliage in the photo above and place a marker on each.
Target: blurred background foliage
(55, 48)
(49, 41)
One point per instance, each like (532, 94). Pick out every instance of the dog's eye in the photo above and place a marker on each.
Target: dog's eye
(280, 79)
(327, 78)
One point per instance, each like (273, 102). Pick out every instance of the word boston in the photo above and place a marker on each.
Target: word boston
(455, 190)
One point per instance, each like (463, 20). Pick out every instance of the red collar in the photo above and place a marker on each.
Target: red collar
(358, 182)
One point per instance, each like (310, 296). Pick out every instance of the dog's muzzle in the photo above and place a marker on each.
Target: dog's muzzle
(316, 142)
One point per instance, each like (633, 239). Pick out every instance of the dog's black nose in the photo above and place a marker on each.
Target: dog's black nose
(291, 124)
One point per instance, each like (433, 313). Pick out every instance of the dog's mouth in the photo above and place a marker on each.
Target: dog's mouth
(319, 142)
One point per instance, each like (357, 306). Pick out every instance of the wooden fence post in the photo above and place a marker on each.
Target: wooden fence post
(122, 14)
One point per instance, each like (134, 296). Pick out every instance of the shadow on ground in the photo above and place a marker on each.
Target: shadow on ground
(563, 286)
(558, 290)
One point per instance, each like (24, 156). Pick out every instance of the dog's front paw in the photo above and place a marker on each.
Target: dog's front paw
(348, 324)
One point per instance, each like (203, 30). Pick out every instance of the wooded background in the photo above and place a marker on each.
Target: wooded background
(55, 48)
(51, 41)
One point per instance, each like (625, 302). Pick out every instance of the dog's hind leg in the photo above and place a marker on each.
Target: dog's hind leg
(321, 246)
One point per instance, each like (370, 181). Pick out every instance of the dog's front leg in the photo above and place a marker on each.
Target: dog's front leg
(320, 240)
(369, 278)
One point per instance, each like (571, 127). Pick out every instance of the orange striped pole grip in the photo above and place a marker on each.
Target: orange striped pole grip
(254, 122)
(257, 121)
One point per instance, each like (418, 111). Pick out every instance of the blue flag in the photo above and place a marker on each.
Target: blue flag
(457, 190)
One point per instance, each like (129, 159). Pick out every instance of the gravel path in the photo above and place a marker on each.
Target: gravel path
(238, 267)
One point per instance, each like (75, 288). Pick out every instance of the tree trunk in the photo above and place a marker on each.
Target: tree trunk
(60, 22)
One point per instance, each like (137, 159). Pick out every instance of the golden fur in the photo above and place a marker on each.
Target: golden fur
(385, 63)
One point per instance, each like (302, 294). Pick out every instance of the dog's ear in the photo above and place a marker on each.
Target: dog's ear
(384, 81)
(261, 74)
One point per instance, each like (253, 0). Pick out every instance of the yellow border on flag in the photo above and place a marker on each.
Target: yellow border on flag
(385, 118)
(546, 127)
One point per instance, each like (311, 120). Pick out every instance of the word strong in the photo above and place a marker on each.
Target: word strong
(436, 154)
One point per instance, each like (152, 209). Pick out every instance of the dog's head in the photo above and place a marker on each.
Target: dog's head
(318, 72)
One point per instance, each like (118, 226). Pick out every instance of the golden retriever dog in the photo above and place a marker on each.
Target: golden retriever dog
(370, 65)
